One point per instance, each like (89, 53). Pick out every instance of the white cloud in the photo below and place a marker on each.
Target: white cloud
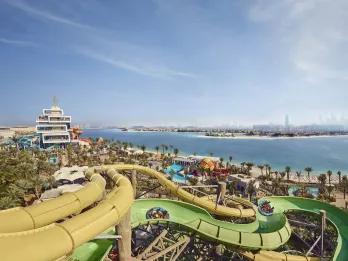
(45, 14)
(17, 42)
(136, 67)
(313, 32)
(98, 45)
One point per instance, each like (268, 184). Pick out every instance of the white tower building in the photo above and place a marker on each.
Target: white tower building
(53, 127)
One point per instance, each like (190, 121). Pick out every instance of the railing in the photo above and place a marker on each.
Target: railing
(42, 119)
(59, 119)
(42, 129)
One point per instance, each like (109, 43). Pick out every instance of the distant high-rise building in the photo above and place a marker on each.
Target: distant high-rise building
(287, 122)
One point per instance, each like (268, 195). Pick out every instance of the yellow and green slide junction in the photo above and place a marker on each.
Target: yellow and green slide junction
(36, 233)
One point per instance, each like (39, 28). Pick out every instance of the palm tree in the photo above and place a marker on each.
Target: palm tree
(209, 172)
(276, 174)
(298, 174)
(69, 154)
(339, 173)
(266, 168)
(164, 148)
(15, 140)
(157, 149)
(143, 148)
(232, 186)
(269, 168)
(344, 183)
(308, 170)
(329, 173)
(275, 186)
(249, 166)
(261, 168)
(242, 165)
(211, 154)
(221, 161)
(202, 171)
(230, 158)
(287, 171)
(330, 189)
(251, 189)
(176, 151)
(282, 174)
(322, 180)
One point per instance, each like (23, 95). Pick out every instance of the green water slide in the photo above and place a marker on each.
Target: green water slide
(93, 250)
(265, 233)
(337, 216)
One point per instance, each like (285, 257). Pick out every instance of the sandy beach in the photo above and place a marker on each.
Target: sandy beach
(256, 172)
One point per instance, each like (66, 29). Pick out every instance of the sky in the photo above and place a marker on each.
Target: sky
(203, 63)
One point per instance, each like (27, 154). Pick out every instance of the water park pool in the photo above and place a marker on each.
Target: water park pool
(173, 171)
(174, 168)
(312, 190)
(178, 178)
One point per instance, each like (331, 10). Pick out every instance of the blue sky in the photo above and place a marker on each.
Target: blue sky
(174, 62)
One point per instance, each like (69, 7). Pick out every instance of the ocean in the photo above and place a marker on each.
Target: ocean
(320, 153)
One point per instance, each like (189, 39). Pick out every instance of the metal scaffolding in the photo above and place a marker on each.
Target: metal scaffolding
(163, 248)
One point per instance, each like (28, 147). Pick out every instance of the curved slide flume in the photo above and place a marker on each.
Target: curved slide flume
(39, 215)
(176, 190)
(50, 241)
(199, 221)
(193, 218)
(277, 223)
(265, 233)
(338, 217)
(189, 217)
(57, 240)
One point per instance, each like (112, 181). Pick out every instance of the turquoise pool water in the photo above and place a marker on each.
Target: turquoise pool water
(180, 178)
(174, 170)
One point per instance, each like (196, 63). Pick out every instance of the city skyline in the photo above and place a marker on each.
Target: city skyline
(161, 63)
(330, 120)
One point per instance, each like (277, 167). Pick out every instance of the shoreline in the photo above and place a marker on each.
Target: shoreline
(241, 137)
(150, 141)
(238, 137)
(255, 170)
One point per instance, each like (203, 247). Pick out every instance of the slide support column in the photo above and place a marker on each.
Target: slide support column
(124, 244)
(323, 225)
(221, 192)
(124, 228)
(134, 181)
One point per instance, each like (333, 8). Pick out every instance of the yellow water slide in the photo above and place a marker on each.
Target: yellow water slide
(45, 213)
(40, 239)
(33, 231)
(31, 234)
(176, 190)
